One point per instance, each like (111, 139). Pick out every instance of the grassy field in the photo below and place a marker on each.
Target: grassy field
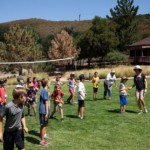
(103, 128)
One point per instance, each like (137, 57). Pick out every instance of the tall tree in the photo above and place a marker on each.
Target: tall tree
(21, 45)
(62, 47)
(98, 40)
(123, 15)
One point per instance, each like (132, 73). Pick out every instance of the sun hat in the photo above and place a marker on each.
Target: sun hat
(113, 71)
(137, 67)
(81, 76)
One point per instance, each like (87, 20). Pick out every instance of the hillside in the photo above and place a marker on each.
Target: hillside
(45, 27)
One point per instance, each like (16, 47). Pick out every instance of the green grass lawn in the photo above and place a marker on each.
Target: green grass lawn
(103, 128)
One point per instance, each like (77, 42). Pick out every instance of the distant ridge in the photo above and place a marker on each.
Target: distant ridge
(45, 27)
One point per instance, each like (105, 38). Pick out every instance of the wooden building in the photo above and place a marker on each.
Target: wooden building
(140, 52)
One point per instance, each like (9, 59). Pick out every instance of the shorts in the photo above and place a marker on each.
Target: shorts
(123, 100)
(30, 104)
(81, 103)
(58, 106)
(2, 110)
(72, 92)
(139, 94)
(95, 90)
(43, 122)
(11, 138)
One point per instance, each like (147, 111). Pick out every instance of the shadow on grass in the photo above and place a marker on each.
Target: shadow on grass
(32, 140)
(98, 99)
(118, 111)
(71, 116)
(131, 111)
(33, 132)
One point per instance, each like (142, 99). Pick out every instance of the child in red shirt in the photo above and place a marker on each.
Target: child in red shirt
(3, 97)
(58, 101)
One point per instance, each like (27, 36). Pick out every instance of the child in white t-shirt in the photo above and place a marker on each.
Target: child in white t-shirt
(81, 96)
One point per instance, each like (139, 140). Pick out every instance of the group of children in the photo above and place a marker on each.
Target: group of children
(26, 95)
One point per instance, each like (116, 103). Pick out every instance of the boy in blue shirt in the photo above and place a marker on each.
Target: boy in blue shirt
(43, 110)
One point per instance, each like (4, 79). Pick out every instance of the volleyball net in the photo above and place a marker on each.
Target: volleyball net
(36, 62)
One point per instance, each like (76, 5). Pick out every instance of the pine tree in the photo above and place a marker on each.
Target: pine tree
(123, 15)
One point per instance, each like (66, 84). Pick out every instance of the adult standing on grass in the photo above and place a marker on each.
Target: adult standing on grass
(108, 83)
(81, 96)
(15, 124)
(140, 83)
(95, 81)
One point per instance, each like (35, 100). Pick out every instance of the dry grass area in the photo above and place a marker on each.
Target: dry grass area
(120, 71)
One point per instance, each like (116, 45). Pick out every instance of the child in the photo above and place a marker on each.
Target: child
(31, 99)
(15, 121)
(44, 110)
(3, 97)
(95, 81)
(57, 96)
(35, 86)
(20, 81)
(71, 85)
(58, 82)
(123, 94)
(29, 81)
(81, 96)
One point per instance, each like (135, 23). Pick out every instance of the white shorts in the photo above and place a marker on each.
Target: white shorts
(140, 94)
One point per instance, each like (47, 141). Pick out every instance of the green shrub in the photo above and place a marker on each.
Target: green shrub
(116, 56)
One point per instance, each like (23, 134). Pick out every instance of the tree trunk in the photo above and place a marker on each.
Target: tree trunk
(89, 62)
(20, 71)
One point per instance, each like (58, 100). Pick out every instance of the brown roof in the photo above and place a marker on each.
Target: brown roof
(144, 42)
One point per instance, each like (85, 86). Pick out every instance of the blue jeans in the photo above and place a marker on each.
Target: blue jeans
(107, 90)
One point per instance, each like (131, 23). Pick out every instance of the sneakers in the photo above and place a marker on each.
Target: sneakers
(46, 137)
(43, 143)
(145, 110)
(51, 117)
(81, 117)
(140, 112)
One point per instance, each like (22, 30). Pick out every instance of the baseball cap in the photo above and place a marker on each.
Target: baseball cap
(124, 78)
(20, 78)
(81, 76)
(3, 81)
(137, 67)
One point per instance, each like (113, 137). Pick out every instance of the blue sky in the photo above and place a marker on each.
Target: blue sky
(57, 10)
